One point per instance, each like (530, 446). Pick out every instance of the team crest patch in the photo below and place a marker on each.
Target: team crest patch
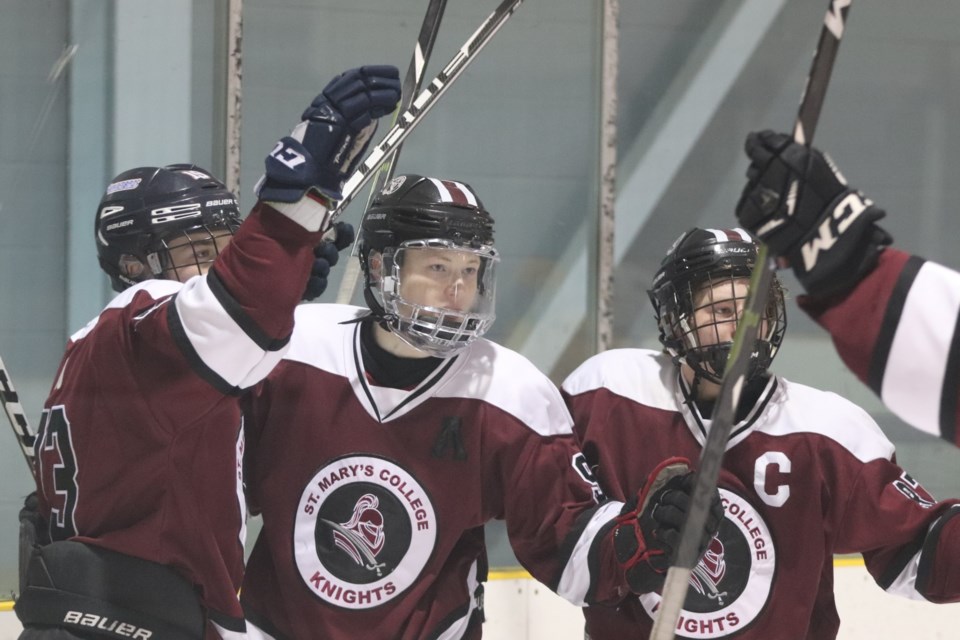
(731, 584)
(364, 531)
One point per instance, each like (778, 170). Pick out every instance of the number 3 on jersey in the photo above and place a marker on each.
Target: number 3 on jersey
(57, 468)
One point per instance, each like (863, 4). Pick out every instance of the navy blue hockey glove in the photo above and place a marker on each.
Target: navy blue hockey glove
(324, 149)
(799, 204)
(326, 255)
(647, 532)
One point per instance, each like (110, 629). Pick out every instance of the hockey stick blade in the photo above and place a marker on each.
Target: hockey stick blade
(18, 419)
(411, 87)
(412, 117)
(711, 457)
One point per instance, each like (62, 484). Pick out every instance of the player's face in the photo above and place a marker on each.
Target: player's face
(193, 253)
(442, 278)
(717, 309)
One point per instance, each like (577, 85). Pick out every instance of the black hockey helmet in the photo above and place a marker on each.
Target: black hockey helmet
(147, 210)
(416, 212)
(702, 264)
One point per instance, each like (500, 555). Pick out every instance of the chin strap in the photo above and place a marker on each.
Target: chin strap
(383, 319)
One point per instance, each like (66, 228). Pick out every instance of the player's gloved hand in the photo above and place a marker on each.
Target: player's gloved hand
(646, 535)
(326, 255)
(324, 149)
(799, 204)
(33, 533)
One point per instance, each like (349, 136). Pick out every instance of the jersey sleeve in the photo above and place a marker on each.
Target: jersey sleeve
(556, 527)
(181, 349)
(910, 537)
(898, 332)
(233, 325)
(589, 404)
(557, 524)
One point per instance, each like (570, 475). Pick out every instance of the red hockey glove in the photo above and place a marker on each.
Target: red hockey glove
(647, 533)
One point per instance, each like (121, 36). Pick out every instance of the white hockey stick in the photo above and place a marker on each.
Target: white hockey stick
(18, 419)
(734, 378)
(411, 87)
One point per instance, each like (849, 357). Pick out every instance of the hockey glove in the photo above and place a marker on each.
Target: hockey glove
(326, 255)
(324, 149)
(646, 535)
(33, 534)
(799, 204)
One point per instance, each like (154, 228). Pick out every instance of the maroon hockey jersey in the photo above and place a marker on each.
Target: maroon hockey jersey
(898, 332)
(374, 499)
(806, 475)
(140, 441)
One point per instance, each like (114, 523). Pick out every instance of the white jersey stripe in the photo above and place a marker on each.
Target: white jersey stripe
(157, 288)
(913, 379)
(575, 580)
(458, 628)
(226, 634)
(221, 343)
(905, 585)
(256, 633)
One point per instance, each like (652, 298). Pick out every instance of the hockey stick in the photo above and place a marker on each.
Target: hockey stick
(411, 87)
(413, 116)
(18, 420)
(675, 587)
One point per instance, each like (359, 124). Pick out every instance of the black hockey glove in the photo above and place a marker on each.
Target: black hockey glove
(323, 150)
(647, 533)
(799, 204)
(33, 533)
(326, 255)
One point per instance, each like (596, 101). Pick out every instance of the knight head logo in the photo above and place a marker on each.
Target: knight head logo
(362, 537)
(708, 573)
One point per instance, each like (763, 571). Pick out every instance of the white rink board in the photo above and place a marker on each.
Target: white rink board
(523, 609)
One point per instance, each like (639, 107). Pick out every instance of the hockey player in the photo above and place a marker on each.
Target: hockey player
(806, 473)
(140, 442)
(389, 435)
(893, 316)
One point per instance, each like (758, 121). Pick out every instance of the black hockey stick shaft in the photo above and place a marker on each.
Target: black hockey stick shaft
(413, 116)
(734, 378)
(411, 88)
(18, 419)
(412, 83)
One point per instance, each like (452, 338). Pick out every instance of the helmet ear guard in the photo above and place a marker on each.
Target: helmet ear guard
(416, 215)
(700, 262)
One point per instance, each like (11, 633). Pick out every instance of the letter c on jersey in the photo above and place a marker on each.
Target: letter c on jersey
(770, 463)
